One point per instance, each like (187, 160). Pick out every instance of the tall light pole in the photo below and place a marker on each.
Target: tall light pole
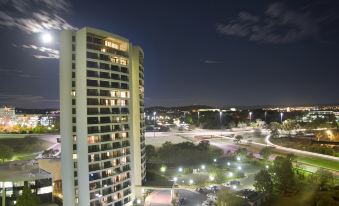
(154, 113)
(220, 118)
(281, 117)
(250, 113)
(265, 116)
(198, 119)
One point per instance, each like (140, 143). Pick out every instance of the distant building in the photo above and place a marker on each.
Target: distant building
(312, 115)
(13, 176)
(7, 115)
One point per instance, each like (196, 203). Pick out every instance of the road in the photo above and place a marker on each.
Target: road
(301, 152)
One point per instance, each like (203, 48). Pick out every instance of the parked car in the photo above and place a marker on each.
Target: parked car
(232, 183)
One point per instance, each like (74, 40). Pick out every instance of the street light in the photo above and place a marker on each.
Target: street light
(203, 167)
(214, 160)
(250, 113)
(163, 169)
(154, 113)
(239, 168)
(220, 118)
(191, 181)
(180, 169)
(198, 119)
(265, 115)
(211, 178)
(175, 179)
(281, 117)
(230, 174)
(228, 163)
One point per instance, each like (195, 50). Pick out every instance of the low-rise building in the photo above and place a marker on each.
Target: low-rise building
(14, 175)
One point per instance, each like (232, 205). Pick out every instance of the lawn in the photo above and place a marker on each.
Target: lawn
(329, 164)
(304, 198)
(156, 179)
(24, 148)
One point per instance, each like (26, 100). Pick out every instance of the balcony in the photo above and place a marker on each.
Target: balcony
(93, 148)
(94, 176)
(94, 167)
(92, 83)
(93, 130)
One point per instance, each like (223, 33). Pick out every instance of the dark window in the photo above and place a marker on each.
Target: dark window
(124, 70)
(104, 66)
(92, 55)
(92, 64)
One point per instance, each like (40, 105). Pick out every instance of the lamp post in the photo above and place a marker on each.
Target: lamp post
(265, 115)
(250, 113)
(220, 118)
(198, 119)
(281, 117)
(154, 113)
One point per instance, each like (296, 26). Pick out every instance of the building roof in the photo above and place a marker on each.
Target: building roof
(22, 171)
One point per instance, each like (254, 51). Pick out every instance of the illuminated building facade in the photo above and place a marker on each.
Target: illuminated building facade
(102, 118)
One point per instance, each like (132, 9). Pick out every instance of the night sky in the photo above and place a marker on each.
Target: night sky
(221, 53)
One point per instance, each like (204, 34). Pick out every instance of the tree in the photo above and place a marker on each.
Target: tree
(324, 178)
(6, 152)
(241, 152)
(265, 153)
(274, 129)
(27, 198)
(263, 181)
(150, 152)
(238, 138)
(217, 173)
(289, 126)
(257, 132)
(226, 198)
(283, 177)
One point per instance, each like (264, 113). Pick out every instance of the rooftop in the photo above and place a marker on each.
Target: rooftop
(22, 171)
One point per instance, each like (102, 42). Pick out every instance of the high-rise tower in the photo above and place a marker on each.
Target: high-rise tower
(102, 118)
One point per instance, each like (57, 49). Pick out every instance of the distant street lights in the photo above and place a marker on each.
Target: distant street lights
(250, 113)
(281, 117)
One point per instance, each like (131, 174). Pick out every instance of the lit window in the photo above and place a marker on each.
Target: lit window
(45, 190)
(123, 61)
(73, 93)
(75, 156)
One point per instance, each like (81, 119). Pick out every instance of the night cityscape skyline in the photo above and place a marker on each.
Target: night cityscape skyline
(217, 54)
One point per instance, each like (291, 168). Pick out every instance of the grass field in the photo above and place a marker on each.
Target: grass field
(329, 164)
(304, 198)
(25, 148)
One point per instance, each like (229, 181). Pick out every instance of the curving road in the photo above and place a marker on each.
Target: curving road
(300, 152)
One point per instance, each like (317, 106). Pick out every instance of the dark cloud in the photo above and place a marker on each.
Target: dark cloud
(278, 26)
(209, 61)
(43, 52)
(31, 20)
(16, 73)
(27, 101)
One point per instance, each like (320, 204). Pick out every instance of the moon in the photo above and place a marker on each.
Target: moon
(46, 38)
